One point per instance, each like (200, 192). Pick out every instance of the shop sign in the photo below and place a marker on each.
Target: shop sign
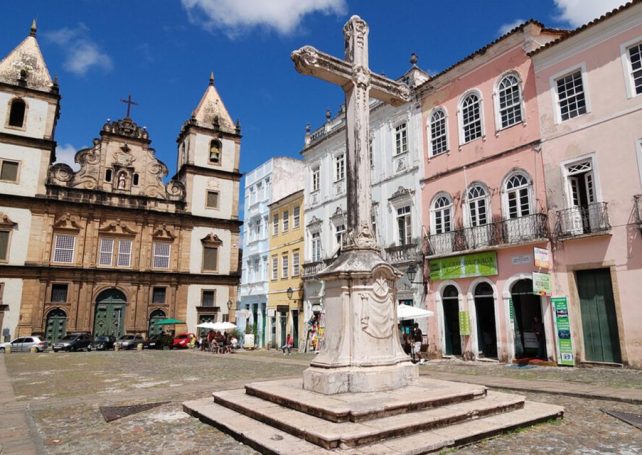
(542, 283)
(542, 258)
(563, 331)
(464, 323)
(523, 259)
(471, 265)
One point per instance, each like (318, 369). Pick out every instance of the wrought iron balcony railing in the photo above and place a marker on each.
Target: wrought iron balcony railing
(513, 231)
(582, 220)
(638, 209)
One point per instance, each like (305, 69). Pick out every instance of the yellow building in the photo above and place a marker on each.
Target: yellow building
(285, 295)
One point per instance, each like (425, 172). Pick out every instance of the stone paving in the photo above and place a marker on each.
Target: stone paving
(62, 393)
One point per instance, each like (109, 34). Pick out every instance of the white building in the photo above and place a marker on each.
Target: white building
(269, 182)
(396, 167)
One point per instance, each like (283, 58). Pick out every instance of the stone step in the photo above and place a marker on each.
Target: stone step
(270, 440)
(331, 435)
(259, 436)
(350, 407)
(460, 434)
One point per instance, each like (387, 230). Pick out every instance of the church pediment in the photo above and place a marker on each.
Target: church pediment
(211, 239)
(116, 227)
(67, 221)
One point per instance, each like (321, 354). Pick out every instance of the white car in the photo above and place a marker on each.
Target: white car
(24, 344)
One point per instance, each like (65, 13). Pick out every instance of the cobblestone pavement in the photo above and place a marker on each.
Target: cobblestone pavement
(63, 393)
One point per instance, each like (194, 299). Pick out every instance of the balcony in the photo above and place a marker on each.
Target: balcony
(592, 219)
(638, 209)
(514, 231)
(311, 269)
(402, 254)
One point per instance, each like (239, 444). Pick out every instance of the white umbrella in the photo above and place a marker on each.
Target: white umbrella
(206, 325)
(223, 326)
(411, 312)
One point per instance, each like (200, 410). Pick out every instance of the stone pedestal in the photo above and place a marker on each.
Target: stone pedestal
(362, 350)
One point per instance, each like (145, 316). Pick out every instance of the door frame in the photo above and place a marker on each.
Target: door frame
(95, 302)
(575, 310)
(439, 306)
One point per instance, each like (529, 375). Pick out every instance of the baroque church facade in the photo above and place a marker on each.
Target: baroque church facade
(112, 247)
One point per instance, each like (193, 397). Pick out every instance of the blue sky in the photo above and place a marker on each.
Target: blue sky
(162, 52)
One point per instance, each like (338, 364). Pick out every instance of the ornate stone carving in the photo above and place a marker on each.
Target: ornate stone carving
(164, 233)
(211, 239)
(116, 227)
(6, 222)
(376, 316)
(67, 221)
(60, 174)
(175, 190)
(126, 127)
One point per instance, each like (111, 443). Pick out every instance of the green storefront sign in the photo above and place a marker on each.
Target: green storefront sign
(563, 329)
(471, 265)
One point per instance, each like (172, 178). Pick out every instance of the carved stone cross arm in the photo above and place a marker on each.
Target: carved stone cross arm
(312, 62)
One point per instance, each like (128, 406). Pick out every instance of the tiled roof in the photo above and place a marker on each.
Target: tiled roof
(483, 50)
(586, 26)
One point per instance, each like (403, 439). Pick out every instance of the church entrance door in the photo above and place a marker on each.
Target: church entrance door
(56, 326)
(110, 313)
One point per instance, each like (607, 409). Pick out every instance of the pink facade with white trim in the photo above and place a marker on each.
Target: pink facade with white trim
(486, 194)
(593, 169)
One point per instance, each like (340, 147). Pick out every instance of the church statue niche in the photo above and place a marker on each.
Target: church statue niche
(121, 180)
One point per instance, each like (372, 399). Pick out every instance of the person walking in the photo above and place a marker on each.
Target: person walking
(417, 337)
(289, 342)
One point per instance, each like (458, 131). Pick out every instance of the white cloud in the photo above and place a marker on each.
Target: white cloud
(235, 16)
(579, 12)
(82, 54)
(65, 154)
(511, 25)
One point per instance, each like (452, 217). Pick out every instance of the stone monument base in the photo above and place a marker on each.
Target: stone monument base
(281, 417)
(330, 381)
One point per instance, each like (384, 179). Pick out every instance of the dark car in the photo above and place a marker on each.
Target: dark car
(102, 343)
(159, 341)
(73, 342)
(129, 341)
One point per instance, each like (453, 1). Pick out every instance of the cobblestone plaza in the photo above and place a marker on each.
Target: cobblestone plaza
(61, 395)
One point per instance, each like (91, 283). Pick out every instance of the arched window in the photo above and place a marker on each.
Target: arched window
(438, 133)
(518, 196)
(442, 215)
(17, 113)
(215, 151)
(471, 120)
(510, 101)
(477, 202)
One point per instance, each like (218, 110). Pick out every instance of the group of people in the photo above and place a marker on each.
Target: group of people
(217, 339)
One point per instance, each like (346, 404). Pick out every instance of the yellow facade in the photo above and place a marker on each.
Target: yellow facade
(285, 267)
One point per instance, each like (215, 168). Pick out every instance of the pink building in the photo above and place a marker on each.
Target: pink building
(485, 203)
(589, 94)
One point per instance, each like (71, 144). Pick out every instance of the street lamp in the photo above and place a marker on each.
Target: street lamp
(411, 272)
(229, 305)
(290, 292)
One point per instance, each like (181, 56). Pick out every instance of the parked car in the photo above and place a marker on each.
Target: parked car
(72, 342)
(128, 341)
(159, 341)
(24, 344)
(181, 341)
(102, 343)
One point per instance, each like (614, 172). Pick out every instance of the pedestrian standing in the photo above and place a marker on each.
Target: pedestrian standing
(417, 337)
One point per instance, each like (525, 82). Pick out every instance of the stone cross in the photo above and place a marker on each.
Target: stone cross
(129, 103)
(359, 84)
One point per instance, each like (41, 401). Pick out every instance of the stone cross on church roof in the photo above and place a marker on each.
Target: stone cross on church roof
(358, 83)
